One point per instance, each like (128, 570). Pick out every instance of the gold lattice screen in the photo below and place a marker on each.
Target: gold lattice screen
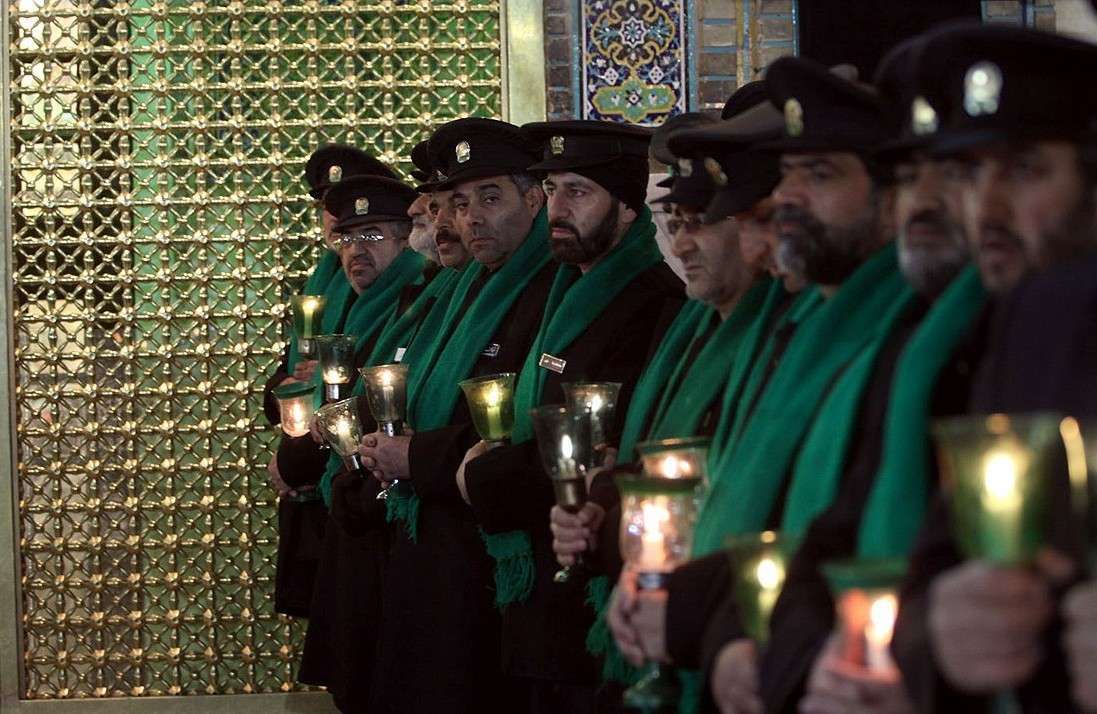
(158, 225)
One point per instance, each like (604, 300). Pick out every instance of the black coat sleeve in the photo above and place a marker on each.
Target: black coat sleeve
(508, 489)
(695, 594)
(270, 404)
(433, 458)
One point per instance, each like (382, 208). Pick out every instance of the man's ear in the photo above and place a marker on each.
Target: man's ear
(535, 199)
(627, 214)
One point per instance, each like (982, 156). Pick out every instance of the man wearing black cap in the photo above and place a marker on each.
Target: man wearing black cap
(967, 630)
(372, 229)
(326, 167)
(832, 218)
(608, 297)
(439, 647)
(421, 239)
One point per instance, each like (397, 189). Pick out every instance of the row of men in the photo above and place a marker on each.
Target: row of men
(852, 258)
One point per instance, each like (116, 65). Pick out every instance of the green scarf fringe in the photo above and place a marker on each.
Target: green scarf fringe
(402, 505)
(514, 567)
(599, 639)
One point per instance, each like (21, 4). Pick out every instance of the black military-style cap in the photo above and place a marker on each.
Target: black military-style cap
(333, 163)
(661, 153)
(362, 200)
(822, 110)
(749, 95)
(912, 111)
(1009, 83)
(729, 154)
(420, 160)
(578, 143)
(474, 147)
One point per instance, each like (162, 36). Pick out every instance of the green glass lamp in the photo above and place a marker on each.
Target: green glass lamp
(601, 399)
(307, 313)
(866, 599)
(295, 406)
(994, 470)
(759, 562)
(336, 354)
(491, 402)
(386, 393)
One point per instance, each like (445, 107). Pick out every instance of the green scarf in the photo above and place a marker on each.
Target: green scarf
(421, 335)
(822, 459)
(689, 396)
(749, 475)
(370, 312)
(896, 504)
(446, 354)
(324, 277)
(401, 328)
(431, 406)
(574, 302)
(663, 365)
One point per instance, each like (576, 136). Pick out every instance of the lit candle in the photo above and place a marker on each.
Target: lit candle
(878, 632)
(308, 309)
(493, 412)
(344, 433)
(1002, 500)
(671, 466)
(388, 393)
(336, 375)
(297, 420)
(652, 539)
(770, 574)
(566, 462)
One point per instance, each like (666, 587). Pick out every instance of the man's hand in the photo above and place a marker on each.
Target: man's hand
(649, 622)
(304, 369)
(386, 456)
(734, 680)
(985, 625)
(837, 687)
(478, 449)
(622, 603)
(574, 533)
(1080, 642)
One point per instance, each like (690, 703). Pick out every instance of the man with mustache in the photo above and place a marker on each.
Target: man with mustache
(439, 644)
(833, 222)
(969, 630)
(610, 296)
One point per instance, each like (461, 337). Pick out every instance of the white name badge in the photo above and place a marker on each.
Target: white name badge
(552, 364)
(400, 354)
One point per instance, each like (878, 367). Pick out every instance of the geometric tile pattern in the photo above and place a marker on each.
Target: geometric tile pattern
(634, 60)
(160, 224)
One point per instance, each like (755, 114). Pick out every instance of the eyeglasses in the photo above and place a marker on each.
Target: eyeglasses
(370, 235)
(692, 222)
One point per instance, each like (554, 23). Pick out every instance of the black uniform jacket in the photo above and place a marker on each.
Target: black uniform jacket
(544, 637)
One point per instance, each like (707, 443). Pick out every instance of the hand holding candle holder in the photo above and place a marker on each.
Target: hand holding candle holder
(386, 392)
(307, 312)
(336, 365)
(338, 422)
(657, 519)
(295, 405)
(564, 440)
(866, 599)
(600, 398)
(759, 562)
(994, 469)
(491, 402)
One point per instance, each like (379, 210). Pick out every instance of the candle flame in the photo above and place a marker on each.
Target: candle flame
(493, 395)
(674, 467)
(386, 378)
(596, 403)
(566, 447)
(309, 305)
(654, 516)
(769, 573)
(881, 619)
(1000, 477)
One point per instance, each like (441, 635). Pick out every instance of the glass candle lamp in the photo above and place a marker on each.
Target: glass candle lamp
(491, 402)
(994, 469)
(759, 562)
(866, 598)
(564, 440)
(386, 391)
(657, 519)
(338, 422)
(295, 406)
(685, 458)
(336, 365)
(307, 312)
(601, 399)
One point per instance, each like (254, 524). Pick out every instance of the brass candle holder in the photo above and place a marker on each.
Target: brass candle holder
(386, 392)
(759, 562)
(657, 519)
(867, 603)
(295, 405)
(336, 354)
(491, 403)
(994, 469)
(600, 398)
(307, 313)
(567, 454)
(338, 423)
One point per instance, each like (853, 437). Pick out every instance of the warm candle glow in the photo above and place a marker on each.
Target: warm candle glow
(652, 538)
(308, 309)
(596, 403)
(296, 421)
(1000, 482)
(770, 574)
(493, 396)
(671, 466)
(878, 631)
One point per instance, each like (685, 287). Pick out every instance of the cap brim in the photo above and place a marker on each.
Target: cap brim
(357, 221)
(477, 172)
(665, 183)
(891, 152)
(564, 164)
(791, 144)
(728, 201)
(685, 198)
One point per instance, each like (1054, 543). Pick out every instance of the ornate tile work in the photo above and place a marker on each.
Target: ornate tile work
(633, 53)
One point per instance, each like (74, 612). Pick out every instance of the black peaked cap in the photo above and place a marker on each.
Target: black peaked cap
(581, 143)
(746, 97)
(474, 147)
(333, 163)
(361, 200)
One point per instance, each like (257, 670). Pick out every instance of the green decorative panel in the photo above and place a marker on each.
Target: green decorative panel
(159, 226)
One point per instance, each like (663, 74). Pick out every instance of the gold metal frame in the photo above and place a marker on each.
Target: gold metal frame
(523, 101)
